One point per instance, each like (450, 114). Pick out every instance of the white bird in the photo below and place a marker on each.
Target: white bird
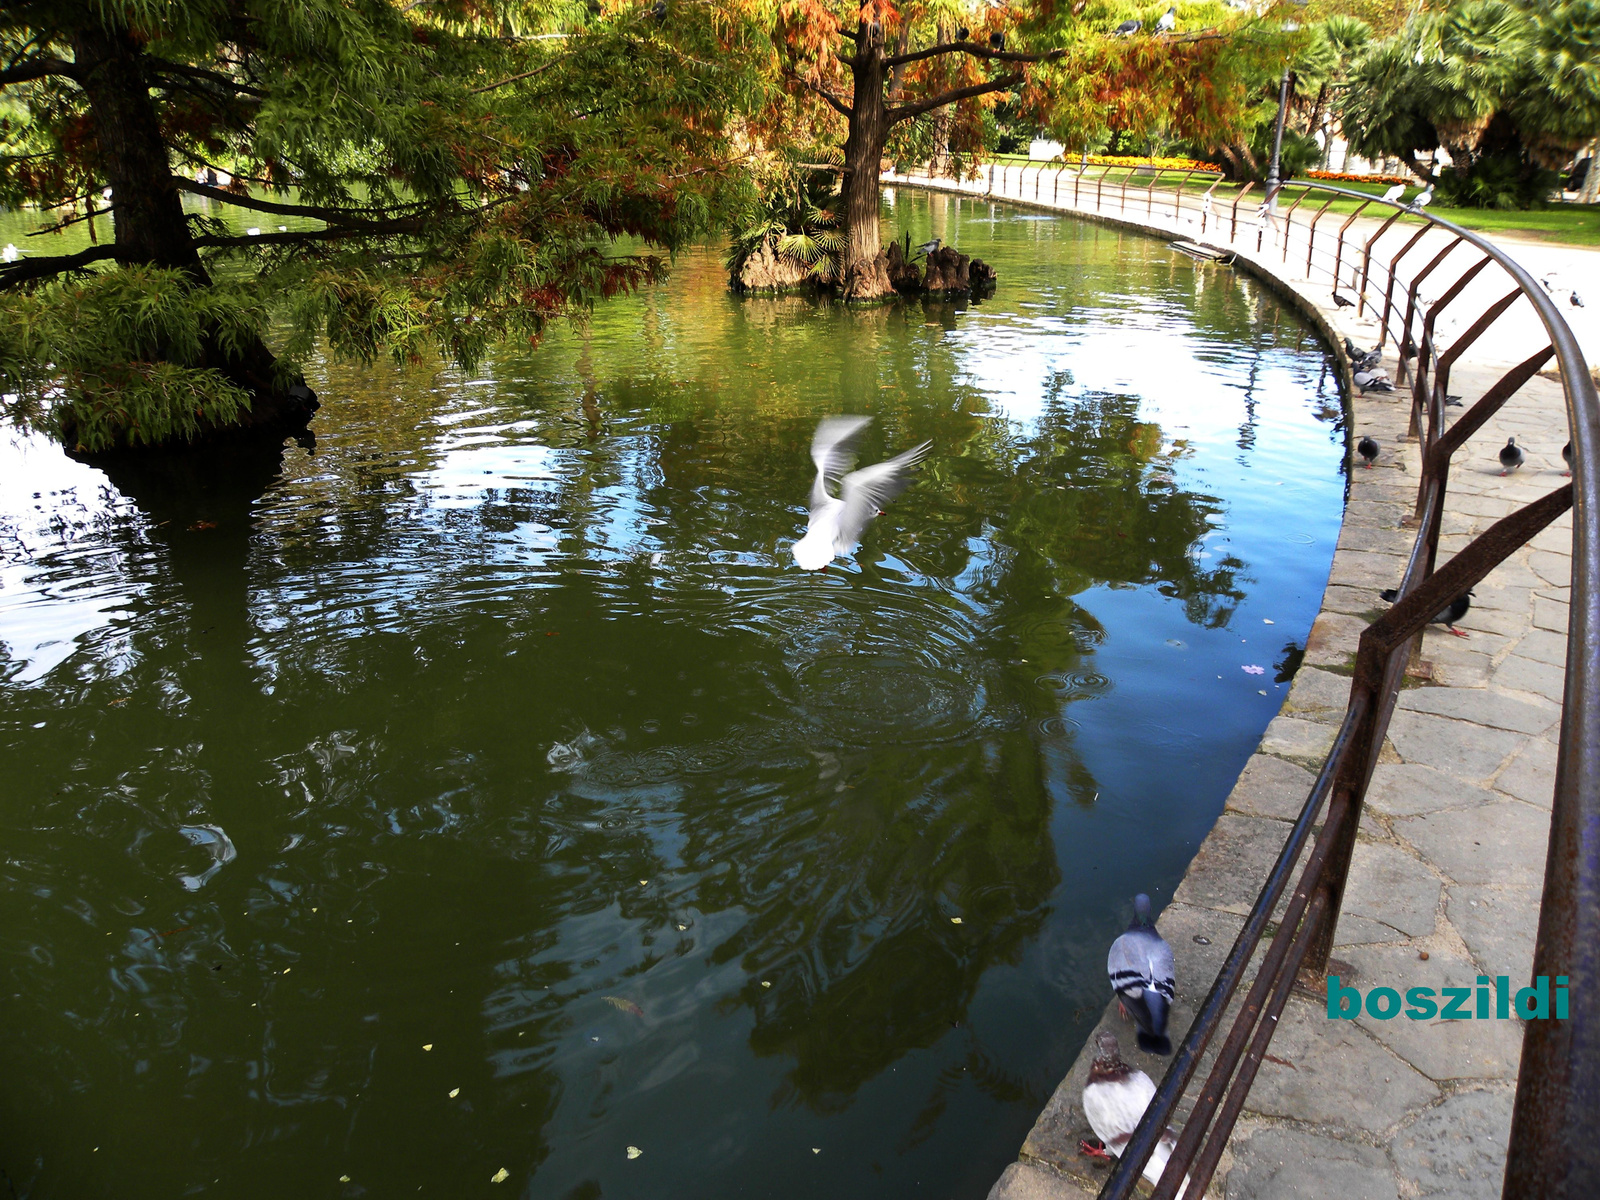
(1373, 381)
(1395, 192)
(929, 247)
(1114, 1100)
(1421, 199)
(254, 231)
(1140, 967)
(836, 523)
(1168, 20)
(10, 253)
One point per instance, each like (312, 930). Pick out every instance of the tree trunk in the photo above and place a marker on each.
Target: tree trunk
(151, 229)
(943, 119)
(866, 272)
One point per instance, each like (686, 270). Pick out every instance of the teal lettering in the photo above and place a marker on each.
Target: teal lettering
(1383, 1003)
(1338, 996)
(1423, 1007)
(1561, 997)
(1456, 1010)
(1483, 997)
(1533, 1003)
(1502, 997)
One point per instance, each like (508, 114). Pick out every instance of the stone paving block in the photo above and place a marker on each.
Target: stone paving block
(1543, 646)
(1386, 884)
(1500, 843)
(1233, 861)
(1405, 789)
(1359, 602)
(1031, 1181)
(1481, 618)
(1525, 675)
(1384, 541)
(1292, 737)
(1551, 566)
(1318, 695)
(1333, 1073)
(1550, 614)
(1482, 707)
(1498, 925)
(1439, 644)
(1361, 931)
(1441, 1050)
(1271, 787)
(1531, 775)
(1286, 1164)
(1361, 568)
(1459, 747)
(1457, 1149)
(1505, 599)
(1333, 638)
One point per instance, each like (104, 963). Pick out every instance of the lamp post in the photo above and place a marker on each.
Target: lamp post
(1277, 142)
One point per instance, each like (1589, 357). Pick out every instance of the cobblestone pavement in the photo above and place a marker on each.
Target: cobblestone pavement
(1446, 878)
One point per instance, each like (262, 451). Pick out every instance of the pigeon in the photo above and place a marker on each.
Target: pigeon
(1510, 456)
(997, 40)
(1452, 612)
(1453, 401)
(1140, 967)
(659, 11)
(1368, 449)
(963, 34)
(1575, 300)
(836, 523)
(1114, 1100)
(1373, 381)
(1393, 194)
(1128, 28)
(1421, 200)
(1342, 301)
(930, 246)
(1168, 21)
(1566, 457)
(10, 253)
(1362, 360)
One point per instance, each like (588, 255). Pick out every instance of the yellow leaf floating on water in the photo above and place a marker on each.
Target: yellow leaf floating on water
(627, 1006)
(427, 1045)
(344, 1179)
(634, 1152)
(454, 1092)
(955, 920)
(766, 983)
(500, 1176)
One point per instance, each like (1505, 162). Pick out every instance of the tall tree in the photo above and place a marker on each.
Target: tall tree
(430, 176)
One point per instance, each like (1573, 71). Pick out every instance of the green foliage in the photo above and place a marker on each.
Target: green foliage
(122, 358)
(1497, 181)
(795, 211)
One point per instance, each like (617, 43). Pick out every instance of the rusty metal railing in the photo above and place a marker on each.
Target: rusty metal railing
(1554, 1148)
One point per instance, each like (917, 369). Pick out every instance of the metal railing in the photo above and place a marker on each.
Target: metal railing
(1554, 1148)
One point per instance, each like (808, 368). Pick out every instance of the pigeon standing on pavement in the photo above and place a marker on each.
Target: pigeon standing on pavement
(1114, 1100)
(1368, 449)
(1511, 456)
(1140, 967)
(1452, 613)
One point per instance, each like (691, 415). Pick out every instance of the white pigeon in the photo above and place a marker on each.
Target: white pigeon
(1114, 1100)
(1421, 199)
(1168, 20)
(10, 253)
(836, 522)
(1395, 192)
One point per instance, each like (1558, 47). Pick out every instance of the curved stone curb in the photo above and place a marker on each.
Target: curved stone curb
(1450, 856)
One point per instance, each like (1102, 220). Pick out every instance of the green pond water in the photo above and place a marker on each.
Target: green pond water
(567, 815)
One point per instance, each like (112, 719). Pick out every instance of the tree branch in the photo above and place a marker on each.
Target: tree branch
(539, 70)
(338, 216)
(821, 91)
(973, 49)
(26, 270)
(163, 67)
(38, 68)
(905, 112)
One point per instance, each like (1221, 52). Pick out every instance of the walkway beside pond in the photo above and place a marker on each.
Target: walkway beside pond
(1446, 880)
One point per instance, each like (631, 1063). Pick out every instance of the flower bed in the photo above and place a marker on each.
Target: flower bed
(1343, 177)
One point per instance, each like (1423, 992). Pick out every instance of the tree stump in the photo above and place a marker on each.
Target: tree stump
(947, 271)
(905, 276)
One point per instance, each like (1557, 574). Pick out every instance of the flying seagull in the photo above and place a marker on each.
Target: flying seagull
(1368, 449)
(1511, 456)
(1451, 613)
(1128, 28)
(836, 522)
(1114, 1100)
(1168, 20)
(1140, 967)
(1394, 193)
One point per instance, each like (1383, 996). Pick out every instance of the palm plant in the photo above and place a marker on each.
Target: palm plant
(1469, 58)
(1557, 108)
(795, 213)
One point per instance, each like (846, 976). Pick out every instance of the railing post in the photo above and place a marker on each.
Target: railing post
(1288, 222)
(1055, 190)
(1177, 203)
(1233, 232)
(1311, 235)
(1366, 260)
(1388, 292)
(1338, 257)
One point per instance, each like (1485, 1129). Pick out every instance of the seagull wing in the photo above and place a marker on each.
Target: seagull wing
(866, 491)
(833, 449)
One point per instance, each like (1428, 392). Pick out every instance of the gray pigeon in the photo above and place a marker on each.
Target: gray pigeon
(1140, 966)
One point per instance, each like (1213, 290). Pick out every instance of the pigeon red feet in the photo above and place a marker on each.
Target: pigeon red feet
(1122, 1010)
(1458, 632)
(1093, 1151)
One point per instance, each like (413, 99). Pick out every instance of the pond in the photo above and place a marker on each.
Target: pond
(489, 792)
